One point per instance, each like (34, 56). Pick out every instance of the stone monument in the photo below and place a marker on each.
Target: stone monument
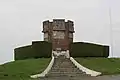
(60, 34)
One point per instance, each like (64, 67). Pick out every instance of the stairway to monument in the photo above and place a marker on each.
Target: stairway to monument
(63, 67)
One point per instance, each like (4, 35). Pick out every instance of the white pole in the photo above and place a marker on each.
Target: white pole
(111, 34)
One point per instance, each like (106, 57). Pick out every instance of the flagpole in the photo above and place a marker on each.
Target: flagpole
(111, 34)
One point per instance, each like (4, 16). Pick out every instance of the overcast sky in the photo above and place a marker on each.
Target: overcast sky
(21, 22)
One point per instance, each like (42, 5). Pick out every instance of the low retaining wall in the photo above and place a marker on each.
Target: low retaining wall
(84, 69)
(45, 71)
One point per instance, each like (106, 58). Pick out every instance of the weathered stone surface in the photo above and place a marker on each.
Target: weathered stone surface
(59, 32)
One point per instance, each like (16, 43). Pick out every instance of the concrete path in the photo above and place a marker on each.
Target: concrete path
(84, 78)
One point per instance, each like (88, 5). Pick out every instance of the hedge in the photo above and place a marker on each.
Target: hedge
(38, 49)
(23, 52)
(81, 49)
(42, 49)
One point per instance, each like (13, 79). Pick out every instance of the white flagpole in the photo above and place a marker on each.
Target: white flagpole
(111, 34)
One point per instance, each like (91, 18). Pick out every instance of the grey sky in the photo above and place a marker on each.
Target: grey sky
(21, 22)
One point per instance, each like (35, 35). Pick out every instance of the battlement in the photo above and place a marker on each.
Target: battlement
(63, 20)
(58, 24)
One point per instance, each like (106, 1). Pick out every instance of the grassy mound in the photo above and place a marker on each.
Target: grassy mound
(107, 66)
(22, 69)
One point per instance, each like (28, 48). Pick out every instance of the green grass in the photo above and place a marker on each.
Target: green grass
(107, 66)
(22, 69)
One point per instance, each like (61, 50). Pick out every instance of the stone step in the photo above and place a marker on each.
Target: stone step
(64, 67)
(62, 74)
(64, 64)
(66, 72)
(59, 70)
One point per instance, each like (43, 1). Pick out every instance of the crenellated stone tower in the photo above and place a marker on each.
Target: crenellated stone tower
(60, 33)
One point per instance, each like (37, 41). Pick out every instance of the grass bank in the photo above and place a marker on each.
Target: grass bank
(108, 66)
(22, 69)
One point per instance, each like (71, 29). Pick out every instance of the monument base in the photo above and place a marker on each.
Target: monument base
(59, 53)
